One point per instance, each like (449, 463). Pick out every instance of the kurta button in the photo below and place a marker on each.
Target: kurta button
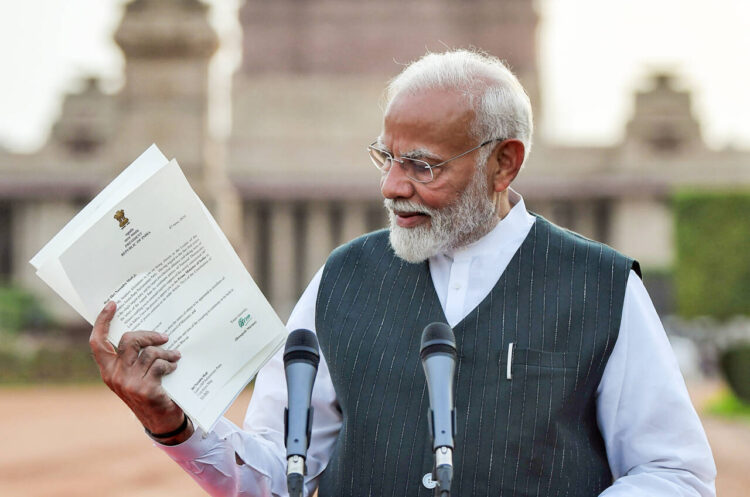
(428, 482)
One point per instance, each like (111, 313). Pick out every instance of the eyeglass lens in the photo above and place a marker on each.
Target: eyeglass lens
(415, 169)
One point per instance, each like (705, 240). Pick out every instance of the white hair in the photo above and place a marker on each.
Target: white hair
(502, 107)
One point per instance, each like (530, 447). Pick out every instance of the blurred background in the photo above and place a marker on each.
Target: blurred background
(643, 142)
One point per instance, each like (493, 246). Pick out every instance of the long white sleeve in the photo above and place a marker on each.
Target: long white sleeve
(655, 442)
(212, 460)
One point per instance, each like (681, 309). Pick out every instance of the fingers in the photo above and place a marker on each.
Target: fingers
(98, 339)
(161, 367)
(133, 342)
(157, 362)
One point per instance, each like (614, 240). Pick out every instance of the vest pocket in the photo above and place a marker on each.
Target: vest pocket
(540, 358)
(539, 398)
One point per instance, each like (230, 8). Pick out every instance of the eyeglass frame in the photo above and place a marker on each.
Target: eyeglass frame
(381, 166)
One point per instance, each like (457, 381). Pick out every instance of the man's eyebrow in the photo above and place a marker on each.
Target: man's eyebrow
(417, 153)
(420, 153)
(379, 144)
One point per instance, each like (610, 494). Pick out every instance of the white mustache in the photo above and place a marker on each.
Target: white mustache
(406, 206)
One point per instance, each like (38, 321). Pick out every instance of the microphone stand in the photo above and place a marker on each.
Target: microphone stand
(295, 475)
(443, 471)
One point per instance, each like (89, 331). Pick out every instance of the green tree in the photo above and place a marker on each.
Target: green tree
(713, 254)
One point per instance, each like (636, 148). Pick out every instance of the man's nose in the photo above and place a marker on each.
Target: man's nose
(395, 184)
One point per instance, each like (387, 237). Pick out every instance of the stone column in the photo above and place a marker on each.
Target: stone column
(282, 291)
(541, 207)
(250, 246)
(584, 215)
(378, 217)
(319, 237)
(34, 224)
(354, 222)
(642, 228)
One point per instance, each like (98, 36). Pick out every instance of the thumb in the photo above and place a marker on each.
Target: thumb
(98, 342)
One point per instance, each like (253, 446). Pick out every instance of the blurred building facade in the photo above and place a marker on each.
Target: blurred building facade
(294, 180)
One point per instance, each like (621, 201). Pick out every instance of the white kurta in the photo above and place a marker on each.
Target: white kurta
(655, 443)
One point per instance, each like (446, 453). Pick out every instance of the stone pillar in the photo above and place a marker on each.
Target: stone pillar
(34, 224)
(250, 246)
(541, 207)
(642, 228)
(377, 217)
(319, 238)
(354, 222)
(584, 215)
(282, 291)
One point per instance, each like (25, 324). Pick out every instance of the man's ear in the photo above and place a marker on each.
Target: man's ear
(507, 160)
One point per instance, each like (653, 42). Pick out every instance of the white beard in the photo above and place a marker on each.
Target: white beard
(461, 223)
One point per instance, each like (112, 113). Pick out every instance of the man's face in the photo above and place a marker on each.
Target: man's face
(455, 208)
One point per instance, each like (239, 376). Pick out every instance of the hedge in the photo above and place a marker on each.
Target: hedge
(20, 310)
(712, 270)
(72, 363)
(735, 364)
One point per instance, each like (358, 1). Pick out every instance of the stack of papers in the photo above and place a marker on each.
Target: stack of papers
(148, 243)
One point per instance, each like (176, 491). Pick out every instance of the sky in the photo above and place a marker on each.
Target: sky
(593, 54)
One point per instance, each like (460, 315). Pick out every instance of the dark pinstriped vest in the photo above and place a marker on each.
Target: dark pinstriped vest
(559, 301)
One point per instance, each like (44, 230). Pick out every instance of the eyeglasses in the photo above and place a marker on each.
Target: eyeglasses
(415, 169)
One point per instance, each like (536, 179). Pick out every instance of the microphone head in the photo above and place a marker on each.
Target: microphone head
(437, 337)
(302, 345)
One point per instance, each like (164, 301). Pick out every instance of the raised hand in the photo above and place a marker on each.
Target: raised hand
(134, 370)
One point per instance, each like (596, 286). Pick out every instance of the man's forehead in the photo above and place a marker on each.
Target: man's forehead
(427, 121)
(429, 99)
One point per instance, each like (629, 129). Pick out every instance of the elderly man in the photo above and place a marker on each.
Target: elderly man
(565, 381)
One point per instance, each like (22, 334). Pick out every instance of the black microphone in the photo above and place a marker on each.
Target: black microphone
(438, 353)
(301, 358)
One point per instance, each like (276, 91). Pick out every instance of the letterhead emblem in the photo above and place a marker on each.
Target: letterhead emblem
(120, 217)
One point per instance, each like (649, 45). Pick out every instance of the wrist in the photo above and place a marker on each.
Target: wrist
(175, 436)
